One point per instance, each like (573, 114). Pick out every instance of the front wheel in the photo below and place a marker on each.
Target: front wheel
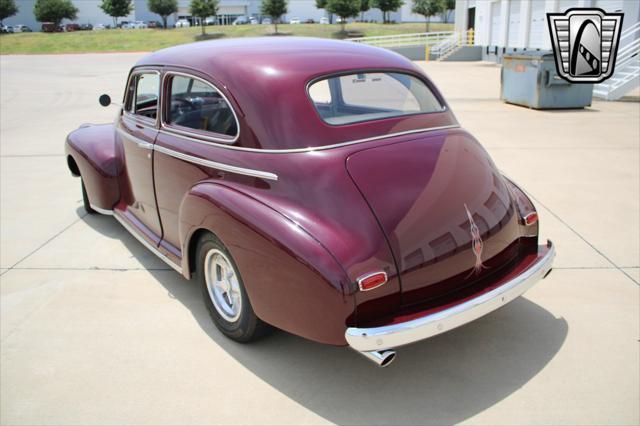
(224, 293)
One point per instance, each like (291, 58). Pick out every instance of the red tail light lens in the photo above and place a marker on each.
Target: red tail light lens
(371, 281)
(530, 219)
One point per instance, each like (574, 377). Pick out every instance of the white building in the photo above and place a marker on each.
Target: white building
(506, 25)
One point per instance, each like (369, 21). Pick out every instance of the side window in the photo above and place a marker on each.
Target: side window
(142, 99)
(197, 105)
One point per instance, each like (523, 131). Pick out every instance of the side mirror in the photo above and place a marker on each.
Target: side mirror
(105, 100)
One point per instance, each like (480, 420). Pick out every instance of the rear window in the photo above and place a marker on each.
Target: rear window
(359, 97)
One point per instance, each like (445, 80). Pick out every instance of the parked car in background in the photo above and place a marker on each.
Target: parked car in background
(309, 21)
(240, 20)
(21, 29)
(183, 23)
(123, 24)
(266, 21)
(99, 27)
(138, 25)
(253, 21)
(50, 27)
(211, 20)
(335, 197)
(294, 21)
(324, 20)
(86, 27)
(154, 24)
(5, 29)
(72, 27)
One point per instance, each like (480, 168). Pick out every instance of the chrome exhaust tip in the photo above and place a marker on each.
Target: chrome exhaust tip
(380, 358)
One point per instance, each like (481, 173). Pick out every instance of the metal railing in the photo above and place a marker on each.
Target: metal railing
(627, 73)
(426, 39)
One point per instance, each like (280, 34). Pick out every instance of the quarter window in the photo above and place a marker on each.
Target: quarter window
(359, 97)
(143, 95)
(197, 105)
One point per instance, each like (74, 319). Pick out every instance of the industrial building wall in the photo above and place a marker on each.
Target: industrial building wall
(506, 25)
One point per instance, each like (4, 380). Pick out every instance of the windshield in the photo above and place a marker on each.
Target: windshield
(359, 97)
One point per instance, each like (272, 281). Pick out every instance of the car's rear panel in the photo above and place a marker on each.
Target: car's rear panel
(429, 194)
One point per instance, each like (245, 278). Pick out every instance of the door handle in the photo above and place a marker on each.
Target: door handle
(143, 144)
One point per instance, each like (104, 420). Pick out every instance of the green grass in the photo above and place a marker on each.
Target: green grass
(149, 40)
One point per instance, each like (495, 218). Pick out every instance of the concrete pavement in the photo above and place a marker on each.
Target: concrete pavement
(95, 330)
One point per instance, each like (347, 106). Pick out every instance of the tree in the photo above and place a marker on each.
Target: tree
(7, 8)
(344, 9)
(164, 8)
(428, 8)
(364, 6)
(387, 6)
(116, 9)
(54, 11)
(449, 5)
(203, 9)
(322, 4)
(275, 9)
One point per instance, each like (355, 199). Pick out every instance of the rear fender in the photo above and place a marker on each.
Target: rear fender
(292, 281)
(91, 152)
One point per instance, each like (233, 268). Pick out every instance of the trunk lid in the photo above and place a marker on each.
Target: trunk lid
(444, 207)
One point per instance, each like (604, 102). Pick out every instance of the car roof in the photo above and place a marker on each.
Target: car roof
(268, 76)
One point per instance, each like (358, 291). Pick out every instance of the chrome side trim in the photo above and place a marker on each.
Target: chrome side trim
(311, 149)
(216, 165)
(140, 142)
(145, 243)
(204, 139)
(392, 336)
(196, 160)
(102, 211)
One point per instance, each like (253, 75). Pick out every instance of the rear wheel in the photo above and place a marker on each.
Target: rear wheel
(85, 200)
(224, 294)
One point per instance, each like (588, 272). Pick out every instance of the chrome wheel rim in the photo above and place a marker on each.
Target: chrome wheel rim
(223, 285)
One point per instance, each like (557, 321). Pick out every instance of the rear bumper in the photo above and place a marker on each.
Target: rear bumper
(394, 335)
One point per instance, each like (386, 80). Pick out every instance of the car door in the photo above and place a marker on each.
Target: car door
(198, 118)
(137, 130)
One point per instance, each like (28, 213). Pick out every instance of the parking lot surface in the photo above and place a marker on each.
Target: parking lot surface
(95, 330)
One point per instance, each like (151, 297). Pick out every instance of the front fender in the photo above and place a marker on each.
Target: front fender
(292, 281)
(92, 149)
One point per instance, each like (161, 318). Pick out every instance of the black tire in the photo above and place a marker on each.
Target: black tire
(247, 327)
(85, 200)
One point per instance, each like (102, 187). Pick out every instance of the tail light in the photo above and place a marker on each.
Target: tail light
(528, 214)
(530, 219)
(371, 281)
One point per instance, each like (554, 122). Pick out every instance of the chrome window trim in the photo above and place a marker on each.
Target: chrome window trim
(216, 165)
(315, 148)
(145, 243)
(139, 118)
(200, 137)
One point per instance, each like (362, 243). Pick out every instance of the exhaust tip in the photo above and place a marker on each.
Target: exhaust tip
(380, 358)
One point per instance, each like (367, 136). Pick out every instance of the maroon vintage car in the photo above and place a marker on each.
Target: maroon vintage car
(321, 187)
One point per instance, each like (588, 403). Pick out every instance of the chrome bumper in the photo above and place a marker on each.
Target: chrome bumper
(392, 336)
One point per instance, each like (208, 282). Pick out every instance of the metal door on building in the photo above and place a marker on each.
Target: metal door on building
(538, 32)
(514, 24)
(495, 23)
